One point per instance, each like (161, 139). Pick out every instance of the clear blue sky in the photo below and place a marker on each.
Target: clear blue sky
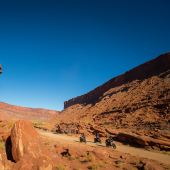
(52, 51)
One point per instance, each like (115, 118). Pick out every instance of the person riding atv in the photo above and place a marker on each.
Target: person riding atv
(109, 142)
(97, 138)
(83, 138)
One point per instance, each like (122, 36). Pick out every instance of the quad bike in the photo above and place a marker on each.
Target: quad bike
(109, 143)
(83, 139)
(97, 140)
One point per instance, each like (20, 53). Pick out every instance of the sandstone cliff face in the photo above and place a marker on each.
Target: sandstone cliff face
(154, 67)
(136, 102)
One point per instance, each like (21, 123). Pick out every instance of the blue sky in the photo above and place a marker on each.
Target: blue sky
(52, 51)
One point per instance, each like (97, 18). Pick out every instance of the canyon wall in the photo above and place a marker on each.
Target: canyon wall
(154, 67)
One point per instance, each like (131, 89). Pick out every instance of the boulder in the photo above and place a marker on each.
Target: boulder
(131, 139)
(25, 140)
(28, 151)
(142, 141)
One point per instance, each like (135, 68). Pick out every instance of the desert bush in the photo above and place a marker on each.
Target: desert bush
(37, 123)
(60, 167)
(10, 124)
(1, 124)
(88, 157)
(93, 167)
(2, 144)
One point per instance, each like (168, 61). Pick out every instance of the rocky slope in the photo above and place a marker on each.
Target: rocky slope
(25, 149)
(136, 102)
(144, 71)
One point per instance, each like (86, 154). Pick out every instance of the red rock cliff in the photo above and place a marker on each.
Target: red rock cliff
(143, 71)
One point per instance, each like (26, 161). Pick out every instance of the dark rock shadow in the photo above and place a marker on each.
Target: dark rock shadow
(8, 149)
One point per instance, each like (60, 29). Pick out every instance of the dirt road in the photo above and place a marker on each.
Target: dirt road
(163, 158)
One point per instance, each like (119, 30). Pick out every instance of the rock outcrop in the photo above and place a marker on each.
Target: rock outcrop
(26, 150)
(25, 141)
(146, 70)
(136, 102)
(142, 141)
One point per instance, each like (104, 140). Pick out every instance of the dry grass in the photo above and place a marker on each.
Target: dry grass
(37, 124)
(88, 157)
(10, 124)
(60, 167)
(93, 167)
(2, 145)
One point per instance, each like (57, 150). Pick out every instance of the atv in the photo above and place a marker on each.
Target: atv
(97, 140)
(83, 139)
(109, 143)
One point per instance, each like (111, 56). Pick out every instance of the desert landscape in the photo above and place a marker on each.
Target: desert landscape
(133, 108)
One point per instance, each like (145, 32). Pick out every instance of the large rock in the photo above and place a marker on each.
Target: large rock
(142, 141)
(28, 151)
(25, 140)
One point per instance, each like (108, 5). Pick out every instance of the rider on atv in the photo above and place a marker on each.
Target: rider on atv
(82, 138)
(97, 138)
(109, 142)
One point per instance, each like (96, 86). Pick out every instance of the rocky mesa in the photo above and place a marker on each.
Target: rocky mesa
(136, 103)
(154, 67)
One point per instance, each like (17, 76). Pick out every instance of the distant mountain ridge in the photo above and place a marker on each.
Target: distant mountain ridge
(8, 111)
(141, 72)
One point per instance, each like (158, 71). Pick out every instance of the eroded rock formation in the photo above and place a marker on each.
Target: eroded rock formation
(136, 102)
(25, 149)
(146, 70)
